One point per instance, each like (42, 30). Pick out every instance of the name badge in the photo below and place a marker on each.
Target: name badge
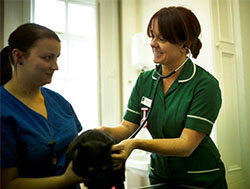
(146, 101)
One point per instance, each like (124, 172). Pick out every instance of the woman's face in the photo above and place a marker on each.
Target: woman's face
(165, 53)
(39, 66)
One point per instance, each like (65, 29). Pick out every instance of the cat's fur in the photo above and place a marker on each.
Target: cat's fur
(91, 156)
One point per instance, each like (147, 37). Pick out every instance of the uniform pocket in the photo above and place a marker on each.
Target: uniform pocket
(204, 168)
(206, 178)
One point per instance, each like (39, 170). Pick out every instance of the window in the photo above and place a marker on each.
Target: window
(75, 23)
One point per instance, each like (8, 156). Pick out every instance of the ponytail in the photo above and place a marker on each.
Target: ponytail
(6, 69)
(195, 48)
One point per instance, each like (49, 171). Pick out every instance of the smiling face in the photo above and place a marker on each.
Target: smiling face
(166, 53)
(38, 67)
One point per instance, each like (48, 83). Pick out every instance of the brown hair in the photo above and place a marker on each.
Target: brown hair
(23, 38)
(178, 25)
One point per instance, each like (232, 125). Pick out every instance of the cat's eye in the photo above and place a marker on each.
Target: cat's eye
(90, 168)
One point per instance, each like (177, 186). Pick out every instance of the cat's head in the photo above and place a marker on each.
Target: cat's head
(92, 159)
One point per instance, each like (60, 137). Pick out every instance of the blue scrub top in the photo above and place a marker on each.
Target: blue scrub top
(25, 134)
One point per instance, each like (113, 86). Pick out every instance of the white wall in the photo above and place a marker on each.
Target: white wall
(16, 12)
(245, 29)
(109, 58)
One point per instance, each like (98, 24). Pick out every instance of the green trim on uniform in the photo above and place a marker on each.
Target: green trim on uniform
(193, 101)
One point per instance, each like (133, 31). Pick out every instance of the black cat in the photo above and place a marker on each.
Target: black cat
(91, 155)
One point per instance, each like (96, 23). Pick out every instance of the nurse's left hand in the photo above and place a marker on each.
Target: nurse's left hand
(121, 151)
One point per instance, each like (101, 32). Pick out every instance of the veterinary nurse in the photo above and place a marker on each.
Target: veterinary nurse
(37, 124)
(185, 109)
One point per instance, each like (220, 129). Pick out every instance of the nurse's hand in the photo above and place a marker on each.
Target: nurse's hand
(121, 151)
(70, 177)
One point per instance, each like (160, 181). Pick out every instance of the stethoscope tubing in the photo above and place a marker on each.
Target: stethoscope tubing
(149, 111)
(160, 77)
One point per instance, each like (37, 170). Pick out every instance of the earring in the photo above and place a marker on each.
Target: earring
(20, 63)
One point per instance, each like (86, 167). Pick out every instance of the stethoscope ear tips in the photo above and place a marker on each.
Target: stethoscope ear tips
(189, 51)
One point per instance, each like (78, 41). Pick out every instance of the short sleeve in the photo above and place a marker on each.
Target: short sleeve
(132, 113)
(77, 122)
(8, 143)
(205, 106)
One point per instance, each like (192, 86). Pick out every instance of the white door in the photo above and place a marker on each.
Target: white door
(228, 68)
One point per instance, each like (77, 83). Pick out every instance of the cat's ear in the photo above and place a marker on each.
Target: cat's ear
(75, 160)
(83, 146)
(75, 155)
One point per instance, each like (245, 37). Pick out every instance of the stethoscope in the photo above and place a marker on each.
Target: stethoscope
(160, 77)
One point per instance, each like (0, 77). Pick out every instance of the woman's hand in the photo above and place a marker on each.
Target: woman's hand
(121, 151)
(70, 177)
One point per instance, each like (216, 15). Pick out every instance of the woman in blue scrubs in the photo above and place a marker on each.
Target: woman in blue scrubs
(185, 108)
(37, 124)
